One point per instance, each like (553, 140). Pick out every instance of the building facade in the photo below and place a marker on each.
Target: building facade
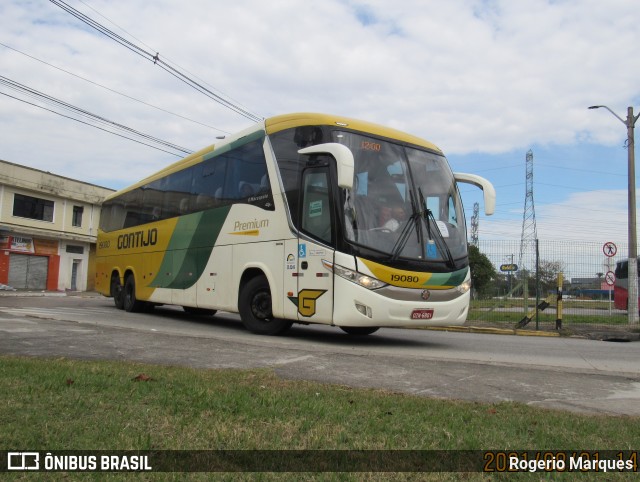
(48, 229)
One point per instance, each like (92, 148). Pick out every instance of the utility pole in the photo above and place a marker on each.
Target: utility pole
(630, 122)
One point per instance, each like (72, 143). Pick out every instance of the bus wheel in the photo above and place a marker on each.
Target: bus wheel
(359, 330)
(199, 311)
(131, 304)
(117, 292)
(254, 305)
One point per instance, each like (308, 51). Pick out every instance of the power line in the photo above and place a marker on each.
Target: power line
(86, 123)
(155, 58)
(59, 104)
(605, 173)
(82, 112)
(112, 90)
(151, 48)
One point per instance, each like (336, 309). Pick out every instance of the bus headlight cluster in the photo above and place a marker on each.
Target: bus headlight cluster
(353, 276)
(464, 287)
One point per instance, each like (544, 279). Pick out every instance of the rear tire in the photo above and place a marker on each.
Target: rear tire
(117, 292)
(131, 304)
(254, 305)
(359, 330)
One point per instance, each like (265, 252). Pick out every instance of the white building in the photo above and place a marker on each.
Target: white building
(48, 229)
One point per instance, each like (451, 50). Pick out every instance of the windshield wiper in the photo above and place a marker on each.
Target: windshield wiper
(426, 214)
(413, 220)
(431, 219)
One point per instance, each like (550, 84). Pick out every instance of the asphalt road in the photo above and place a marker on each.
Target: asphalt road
(559, 373)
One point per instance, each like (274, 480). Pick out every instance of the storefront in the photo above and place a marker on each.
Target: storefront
(48, 228)
(29, 263)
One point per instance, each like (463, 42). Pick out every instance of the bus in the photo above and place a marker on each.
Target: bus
(621, 285)
(301, 218)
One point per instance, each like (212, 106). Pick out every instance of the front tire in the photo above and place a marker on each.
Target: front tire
(359, 330)
(254, 305)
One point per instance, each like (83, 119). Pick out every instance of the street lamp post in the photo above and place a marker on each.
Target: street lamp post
(630, 122)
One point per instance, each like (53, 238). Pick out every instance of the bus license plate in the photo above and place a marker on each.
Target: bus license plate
(422, 314)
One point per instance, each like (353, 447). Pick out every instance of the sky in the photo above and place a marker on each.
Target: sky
(485, 80)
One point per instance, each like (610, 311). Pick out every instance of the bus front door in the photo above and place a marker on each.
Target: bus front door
(315, 282)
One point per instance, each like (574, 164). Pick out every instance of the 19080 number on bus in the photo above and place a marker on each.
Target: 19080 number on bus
(403, 278)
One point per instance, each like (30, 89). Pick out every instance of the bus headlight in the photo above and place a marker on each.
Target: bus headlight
(361, 279)
(464, 286)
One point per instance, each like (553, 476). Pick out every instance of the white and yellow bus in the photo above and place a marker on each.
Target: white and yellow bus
(302, 218)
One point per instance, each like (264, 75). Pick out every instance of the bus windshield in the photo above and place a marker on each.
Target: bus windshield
(404, 202)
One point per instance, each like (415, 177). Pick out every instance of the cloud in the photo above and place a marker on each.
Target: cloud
(473, 76)
(597, 216)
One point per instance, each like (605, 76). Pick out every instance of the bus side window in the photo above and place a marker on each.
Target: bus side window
(133, 206)
(622, 270)
(248, 172)
(177, 187)
(208, 183)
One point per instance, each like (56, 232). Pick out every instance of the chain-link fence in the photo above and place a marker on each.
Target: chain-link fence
(516, 286)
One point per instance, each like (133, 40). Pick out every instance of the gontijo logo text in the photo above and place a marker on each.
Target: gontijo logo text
(138, 239)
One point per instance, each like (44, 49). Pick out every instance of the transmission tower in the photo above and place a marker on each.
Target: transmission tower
(474, 224)
(529, 232)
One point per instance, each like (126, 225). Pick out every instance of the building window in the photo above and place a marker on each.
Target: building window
(32, 208)
(75, 249)
(77, 216)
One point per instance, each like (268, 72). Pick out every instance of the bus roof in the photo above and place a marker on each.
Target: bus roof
(277, 124)
(287, 121)
(190, 160)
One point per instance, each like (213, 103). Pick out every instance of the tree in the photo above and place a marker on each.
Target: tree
(548, 272)
(482, 272)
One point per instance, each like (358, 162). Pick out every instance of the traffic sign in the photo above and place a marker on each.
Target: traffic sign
(609, 249)
(508, 267)
(610, 278)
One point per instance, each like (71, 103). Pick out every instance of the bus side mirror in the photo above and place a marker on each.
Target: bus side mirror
(344, 160)
(482, 183)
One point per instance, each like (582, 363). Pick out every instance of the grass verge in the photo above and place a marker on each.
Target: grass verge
(65, 404)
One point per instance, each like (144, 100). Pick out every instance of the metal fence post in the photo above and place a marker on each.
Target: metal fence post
(559, 303)
(537, 285)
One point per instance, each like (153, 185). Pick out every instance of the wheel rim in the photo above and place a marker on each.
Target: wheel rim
(261, 306)
(116, 287)
(128, 293)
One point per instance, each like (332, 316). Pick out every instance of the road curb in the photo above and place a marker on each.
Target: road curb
(31, 294)
(493, 331)
(48, 294)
